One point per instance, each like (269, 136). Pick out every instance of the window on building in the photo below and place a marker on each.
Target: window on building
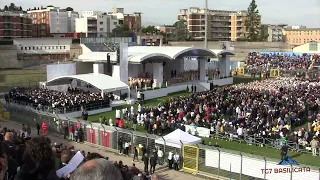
(21, 48)
(60, 47)
(101, 29)
(64, 47)
(33, 48)
(313, 46)
(57, 47)
(52, 47)
(49, 47)
(114, 23)
(25, 48)
(101, 22)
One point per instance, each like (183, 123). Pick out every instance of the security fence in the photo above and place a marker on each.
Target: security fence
(225, 164)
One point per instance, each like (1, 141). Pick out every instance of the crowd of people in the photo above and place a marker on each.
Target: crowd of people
(72, 100)
(263, 109)
(257, 63)
(26, 158)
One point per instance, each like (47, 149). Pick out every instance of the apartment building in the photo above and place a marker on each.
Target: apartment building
(96, 24)
(132, 21)
(301, 36)
(53, 21)
(14, 25)
(222, 25)
(274, 32)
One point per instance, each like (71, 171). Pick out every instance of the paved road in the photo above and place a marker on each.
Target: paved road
(163, 172)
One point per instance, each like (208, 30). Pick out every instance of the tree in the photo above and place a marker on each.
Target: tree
(263, 35)
(150, 30)
(181, 33)
(50, 6)
(253, 22)
(122, 31)
(69, 9)
(12, 7)
(20, 8)
(6, 8)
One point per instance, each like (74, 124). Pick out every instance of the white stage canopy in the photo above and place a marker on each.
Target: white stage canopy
(100, 81)
(177, 138)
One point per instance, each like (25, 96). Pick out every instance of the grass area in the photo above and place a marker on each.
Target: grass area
(20, 78)
(269, 153)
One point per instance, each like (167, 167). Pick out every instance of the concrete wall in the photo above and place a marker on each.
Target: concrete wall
(43, 45)
(75, 51)
(305, 48)
(9, 57)
(241, 49)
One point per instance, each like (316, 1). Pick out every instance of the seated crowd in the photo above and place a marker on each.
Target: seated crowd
(262, 109)
(256, 62)
(72, 100)
(26, 158)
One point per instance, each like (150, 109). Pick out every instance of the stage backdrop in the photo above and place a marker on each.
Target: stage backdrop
(57, 70)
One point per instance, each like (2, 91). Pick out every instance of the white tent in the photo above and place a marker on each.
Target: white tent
(177, 138)
(100, 81)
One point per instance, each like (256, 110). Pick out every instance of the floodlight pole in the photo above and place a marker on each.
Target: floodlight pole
(206, 26)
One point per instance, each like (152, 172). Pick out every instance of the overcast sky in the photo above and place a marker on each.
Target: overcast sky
(159, 12)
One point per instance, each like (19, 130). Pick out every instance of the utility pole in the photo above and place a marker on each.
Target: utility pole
(206, 26)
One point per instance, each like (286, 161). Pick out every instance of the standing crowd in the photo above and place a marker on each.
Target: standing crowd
(270, 108)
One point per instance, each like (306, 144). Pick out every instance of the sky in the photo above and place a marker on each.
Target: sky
(160, 12)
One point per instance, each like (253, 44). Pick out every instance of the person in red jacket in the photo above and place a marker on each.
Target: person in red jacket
(44, 128)
(120, 123)
(71, 131)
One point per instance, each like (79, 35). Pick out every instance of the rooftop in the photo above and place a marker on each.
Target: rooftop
(306, 29)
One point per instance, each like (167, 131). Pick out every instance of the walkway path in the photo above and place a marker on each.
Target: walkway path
(163, 172)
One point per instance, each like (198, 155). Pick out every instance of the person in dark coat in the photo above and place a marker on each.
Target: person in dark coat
(38, 128)
(153, 163)
(120, 145)
(146, 162)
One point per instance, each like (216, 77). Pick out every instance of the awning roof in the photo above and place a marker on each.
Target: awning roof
(138, 54)
(172, 51)
(100, 81)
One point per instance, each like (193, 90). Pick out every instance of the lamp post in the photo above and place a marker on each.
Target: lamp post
(206, 26)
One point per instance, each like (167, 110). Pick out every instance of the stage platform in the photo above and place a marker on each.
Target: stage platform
(201, 86)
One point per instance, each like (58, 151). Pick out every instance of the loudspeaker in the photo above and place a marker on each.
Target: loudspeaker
(108, 64)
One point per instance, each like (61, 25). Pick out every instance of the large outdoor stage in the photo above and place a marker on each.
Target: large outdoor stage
(157, 71)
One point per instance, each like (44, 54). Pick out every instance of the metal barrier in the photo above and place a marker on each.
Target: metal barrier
(190, 158)
(274, 73)
(226, 164)
(240, 70)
